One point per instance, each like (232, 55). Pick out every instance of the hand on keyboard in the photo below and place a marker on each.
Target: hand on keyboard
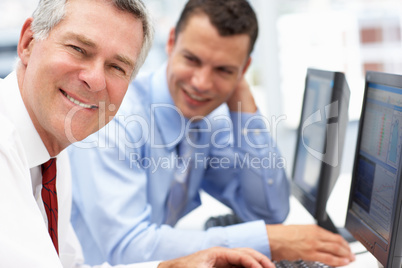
(308, 242)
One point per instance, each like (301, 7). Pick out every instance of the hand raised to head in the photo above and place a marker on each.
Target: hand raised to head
(242, 99)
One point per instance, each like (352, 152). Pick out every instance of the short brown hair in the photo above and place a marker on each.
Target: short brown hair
(229, 17)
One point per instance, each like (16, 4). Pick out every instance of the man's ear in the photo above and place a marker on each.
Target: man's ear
(171, 41)
(26, 41)
(247, 65)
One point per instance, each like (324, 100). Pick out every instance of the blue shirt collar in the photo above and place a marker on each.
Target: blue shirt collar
(168, 118)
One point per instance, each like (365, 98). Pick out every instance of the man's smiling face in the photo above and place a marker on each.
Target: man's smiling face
(204, 68)
(80, 72)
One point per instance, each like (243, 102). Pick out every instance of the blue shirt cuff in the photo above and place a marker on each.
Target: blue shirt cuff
(250, 234)
(250, 130)
(153, 264)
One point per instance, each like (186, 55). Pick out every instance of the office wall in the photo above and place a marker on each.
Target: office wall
(351, 37)
(344, 35)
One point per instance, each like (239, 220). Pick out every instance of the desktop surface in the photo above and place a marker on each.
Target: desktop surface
(298, 215)
(336, 207)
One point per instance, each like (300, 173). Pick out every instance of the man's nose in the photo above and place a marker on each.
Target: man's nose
(202, 79)
(94, 76)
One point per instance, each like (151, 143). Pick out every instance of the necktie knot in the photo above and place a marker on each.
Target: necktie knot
(49, 172)
(188, 143)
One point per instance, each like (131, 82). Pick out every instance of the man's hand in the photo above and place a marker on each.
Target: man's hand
(242, 99)
(221, 257)
(308, 242)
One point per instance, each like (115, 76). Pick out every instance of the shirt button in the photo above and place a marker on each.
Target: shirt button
(270, 181)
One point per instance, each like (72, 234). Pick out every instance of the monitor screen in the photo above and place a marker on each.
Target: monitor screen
(375, 198)
(307, 165)
(320, 140)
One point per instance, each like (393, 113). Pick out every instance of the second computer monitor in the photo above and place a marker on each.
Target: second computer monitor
(320, 141)
(374, 212)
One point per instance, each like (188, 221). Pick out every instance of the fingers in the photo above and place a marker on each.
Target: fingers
(241, 257)
(330, 259)
(218, 257)
(328, 236)
(242, 94)
(259, 257)
(308, 242)
(329, 248)
(337, 248)
(334, 244)
(334, 254)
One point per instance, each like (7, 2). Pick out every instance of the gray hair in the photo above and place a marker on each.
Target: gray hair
(50, 12)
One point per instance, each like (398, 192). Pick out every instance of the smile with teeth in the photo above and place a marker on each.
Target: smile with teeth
(195, 97)
(83, 105)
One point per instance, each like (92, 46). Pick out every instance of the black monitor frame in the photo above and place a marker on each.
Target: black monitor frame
(328, 174)
(387, 252)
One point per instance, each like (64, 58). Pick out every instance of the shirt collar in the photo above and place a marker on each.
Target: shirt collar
(169, 120)
(15, 109)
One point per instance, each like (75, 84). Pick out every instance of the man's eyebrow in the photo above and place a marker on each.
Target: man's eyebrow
(82, 39)
(191, 54)
(125, 60)
(87, 42)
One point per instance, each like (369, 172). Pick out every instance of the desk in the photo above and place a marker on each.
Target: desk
(298, 215)
(336, 207)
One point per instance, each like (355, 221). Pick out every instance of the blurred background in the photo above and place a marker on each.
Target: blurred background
(350, 36)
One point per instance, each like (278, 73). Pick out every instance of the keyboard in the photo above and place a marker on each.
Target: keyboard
(300, 264)
(230, 219)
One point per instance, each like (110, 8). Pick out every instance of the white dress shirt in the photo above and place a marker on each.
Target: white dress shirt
(24, 238)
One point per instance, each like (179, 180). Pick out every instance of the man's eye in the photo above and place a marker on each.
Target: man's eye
(118, 69)
(226, 71)
(77, 49)
(191, 59)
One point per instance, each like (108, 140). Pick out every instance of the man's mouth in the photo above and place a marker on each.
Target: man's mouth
(195, 97)
(83, 105)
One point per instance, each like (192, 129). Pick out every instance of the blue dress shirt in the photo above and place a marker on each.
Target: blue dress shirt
(122, 175)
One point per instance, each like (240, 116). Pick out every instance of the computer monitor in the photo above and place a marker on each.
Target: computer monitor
(320, 141)
(374, 209)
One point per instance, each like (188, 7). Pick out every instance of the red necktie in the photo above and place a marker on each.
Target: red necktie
(49, 197)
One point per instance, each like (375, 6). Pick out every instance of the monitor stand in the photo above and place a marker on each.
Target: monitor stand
(330, 226)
